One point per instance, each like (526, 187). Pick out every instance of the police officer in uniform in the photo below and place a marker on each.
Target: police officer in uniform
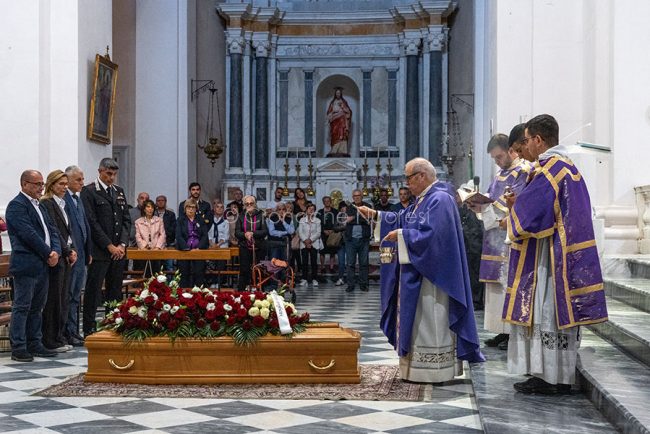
(110, 224)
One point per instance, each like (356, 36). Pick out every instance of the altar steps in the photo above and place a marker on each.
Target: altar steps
(614, 360)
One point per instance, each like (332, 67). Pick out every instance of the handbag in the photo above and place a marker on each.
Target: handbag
(295, 242)
(334, 239)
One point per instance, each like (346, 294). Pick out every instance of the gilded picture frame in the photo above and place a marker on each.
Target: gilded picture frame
(102, 102)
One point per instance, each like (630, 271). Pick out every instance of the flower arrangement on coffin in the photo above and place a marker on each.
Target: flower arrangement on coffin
(161, 309)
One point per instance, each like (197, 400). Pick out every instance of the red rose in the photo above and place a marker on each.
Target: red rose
(200, 323)
(273, 322)
(210, 314)
(172, 324)
(241, 313)
(158, 304)
(247, 325)
(289, 310)
(231, 320)
(151, 315)
(165, 317)
(220, 311)
(258, 321)
(215, 325)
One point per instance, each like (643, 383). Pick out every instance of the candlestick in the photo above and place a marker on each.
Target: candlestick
(297, 172)
(310, 187)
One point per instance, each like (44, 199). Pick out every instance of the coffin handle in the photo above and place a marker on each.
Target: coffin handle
(322, 368)
(121, 368)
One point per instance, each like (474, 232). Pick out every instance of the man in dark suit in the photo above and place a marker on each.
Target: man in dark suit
(204, 210)
(35, 246)
(82, 241)
(108, 216)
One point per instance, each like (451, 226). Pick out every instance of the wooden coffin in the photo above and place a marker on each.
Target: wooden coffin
(325, 353)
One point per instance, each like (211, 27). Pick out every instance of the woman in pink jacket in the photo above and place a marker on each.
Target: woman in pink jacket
(150, 232)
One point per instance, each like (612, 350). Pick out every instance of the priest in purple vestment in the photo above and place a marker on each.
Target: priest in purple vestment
(426, 298)
(555, 282)
(494, 266)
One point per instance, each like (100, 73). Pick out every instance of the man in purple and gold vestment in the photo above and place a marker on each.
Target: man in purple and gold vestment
(426, 298)
(554, 281)
(494, 271)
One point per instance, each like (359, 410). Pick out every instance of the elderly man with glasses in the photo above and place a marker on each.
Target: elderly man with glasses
(250, 231)
(426, 294)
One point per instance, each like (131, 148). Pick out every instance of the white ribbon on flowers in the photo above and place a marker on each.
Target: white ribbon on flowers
(281, 312)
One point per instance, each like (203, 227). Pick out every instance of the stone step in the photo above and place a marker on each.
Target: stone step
(616, 384)
(502, 410)
(628, 328)
(639, 267)
(633, 291)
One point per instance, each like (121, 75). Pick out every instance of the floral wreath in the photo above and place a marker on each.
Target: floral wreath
(161, 309)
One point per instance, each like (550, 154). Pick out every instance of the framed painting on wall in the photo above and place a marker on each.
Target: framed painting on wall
(102, 103)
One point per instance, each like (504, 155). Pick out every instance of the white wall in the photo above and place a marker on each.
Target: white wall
(578, 61)
(46, 63)
(162, 99)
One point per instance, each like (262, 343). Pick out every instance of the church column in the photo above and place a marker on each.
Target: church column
(392, 108)
(284, 107)
(411, 43)
(309, 111)
(367, 108)
(235, 133)
(436, 42)
(261, 136)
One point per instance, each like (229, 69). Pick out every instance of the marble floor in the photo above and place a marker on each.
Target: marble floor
(449, 409)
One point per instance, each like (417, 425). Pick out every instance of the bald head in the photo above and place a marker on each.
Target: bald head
(423, 165)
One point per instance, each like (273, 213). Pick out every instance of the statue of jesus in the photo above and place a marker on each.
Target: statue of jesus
(339, 118)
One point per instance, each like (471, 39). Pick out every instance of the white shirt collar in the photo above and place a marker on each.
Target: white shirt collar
(31, 199)
(59, 201)
(104, 186)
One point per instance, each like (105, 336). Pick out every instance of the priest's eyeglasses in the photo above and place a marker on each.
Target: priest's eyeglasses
(408, 177)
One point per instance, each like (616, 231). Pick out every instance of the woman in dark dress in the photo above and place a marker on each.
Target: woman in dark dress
(191, 234)
(55, 313)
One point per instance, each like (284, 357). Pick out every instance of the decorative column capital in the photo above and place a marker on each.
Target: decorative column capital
(235, 43)
(262, 47)
(436, 38)
(411, 42)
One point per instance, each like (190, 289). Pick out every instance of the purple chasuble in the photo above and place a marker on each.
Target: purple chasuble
(495, 251)
(434, 239)
(555, 204)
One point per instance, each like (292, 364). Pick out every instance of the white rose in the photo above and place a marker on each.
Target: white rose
(196, 289)
(258, 303)
(174, 310)
(253, 311)
(227, 307)
(166, 307)
(187, 295)
(237, 300)
(161, 278)
(144, 293)
(133, 310)
(142, 312)
(210, 306)
(252, 297)
(155, 297)
(266, 304)
(118, 320)
(116, 310)
(265, 312)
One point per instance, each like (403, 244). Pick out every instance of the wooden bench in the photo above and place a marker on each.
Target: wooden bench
(226, 254)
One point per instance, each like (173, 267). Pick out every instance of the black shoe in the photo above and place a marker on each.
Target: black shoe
(21, 356)
(503, 345)
(43, 352)
(537, 385)
(349, 289)
(75, 342)
(495, 341)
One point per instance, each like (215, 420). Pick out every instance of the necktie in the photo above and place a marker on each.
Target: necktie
(109, 190)
(76, 200)
(81, 218)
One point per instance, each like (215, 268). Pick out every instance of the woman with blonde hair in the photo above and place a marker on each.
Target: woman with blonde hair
(55, 313)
